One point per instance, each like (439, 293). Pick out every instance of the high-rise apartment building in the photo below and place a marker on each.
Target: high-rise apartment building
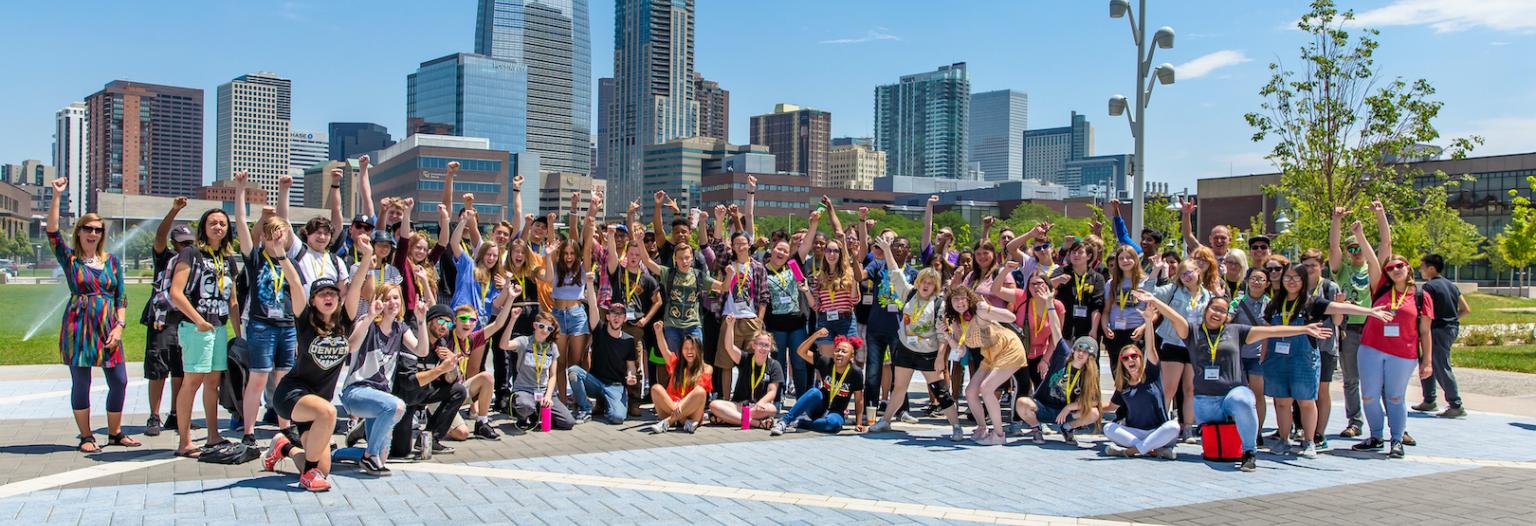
(470, 95)
(351, 139)
(854, 167)
(677, 165)
(798, 138)
(69, 154)
(143, 139)
(553, 39)
(604, 109)
(305, 150)
(653, 86)
(714, 108)
(922, 122)
(998, 121)
(1047, 150)
(254, 115)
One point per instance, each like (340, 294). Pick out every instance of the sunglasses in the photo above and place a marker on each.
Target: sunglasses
(467, 319)
(1129, 357)
(543, 326)
(1258, 278)
(1084, 350)
(1258, 247)
(1043, 247)
(1396, 266)
(92, 229)
(1187, 274)
(445, 322)
(1273, 270)
(1353, 249)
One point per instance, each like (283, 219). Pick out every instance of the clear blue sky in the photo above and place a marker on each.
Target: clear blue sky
(348, 61)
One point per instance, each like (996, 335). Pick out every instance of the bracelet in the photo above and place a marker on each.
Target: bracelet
(754, 192)
(336, 186)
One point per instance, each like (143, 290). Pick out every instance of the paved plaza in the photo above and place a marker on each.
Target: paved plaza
(1479, 469)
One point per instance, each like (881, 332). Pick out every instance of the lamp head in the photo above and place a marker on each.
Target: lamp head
(1163, 38)
(1164, 73)
(1116, 105)
(1118, 8)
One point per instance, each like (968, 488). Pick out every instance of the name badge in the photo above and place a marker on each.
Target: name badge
(274, 312)
(893, 308)
(832, 316)
(1391, 331)
(956, 354)
(1120, 325)
(631, 314)
(1079, 312)
(1282, 347)
(868, 299)
(911, 342)
(1212, 372)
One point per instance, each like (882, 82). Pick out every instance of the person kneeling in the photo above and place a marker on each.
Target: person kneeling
(758, 378)
(821, 408)
(1139, 389)
(534, 388)
(1072, 375)
(681, 401)
(614, 358)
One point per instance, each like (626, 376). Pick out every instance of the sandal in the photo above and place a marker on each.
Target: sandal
(122, 439)
(88, 439)
(189, 453)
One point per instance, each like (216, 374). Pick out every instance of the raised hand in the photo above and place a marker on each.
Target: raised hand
(1376, 206)
(827, 201)
(362, 162)
(1339, 212)
(421, 310)
(863, 212)
(633, 206)
(468, 199)
(988, 221)
(1357, 229)
(453, 166)
(1317, 330)
(285, 181)
(1187, 207)
(1114, 208)
(178, 203)
(820, 333)
(933, 200)
(517, 182)
(378, 307)
(240, 178)
(363, 245)
(751, 183)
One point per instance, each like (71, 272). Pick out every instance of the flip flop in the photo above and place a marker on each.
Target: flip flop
(122, 439)
(189, 453)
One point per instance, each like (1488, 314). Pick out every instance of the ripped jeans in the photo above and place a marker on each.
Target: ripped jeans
(1384, 381)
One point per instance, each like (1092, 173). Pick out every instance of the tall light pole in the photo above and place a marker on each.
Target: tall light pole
(1163, 38)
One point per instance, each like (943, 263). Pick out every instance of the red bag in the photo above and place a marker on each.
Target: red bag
(1221, 442)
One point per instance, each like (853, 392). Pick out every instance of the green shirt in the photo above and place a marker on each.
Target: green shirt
(1355, 281)
(683, 292)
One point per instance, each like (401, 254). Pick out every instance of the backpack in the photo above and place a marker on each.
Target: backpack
(230, 453)
(335, 262)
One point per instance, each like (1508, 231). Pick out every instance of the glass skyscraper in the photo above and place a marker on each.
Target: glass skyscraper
(922, 122)
(998, 121)
(553, 39)
(653, 87)
(471, 95)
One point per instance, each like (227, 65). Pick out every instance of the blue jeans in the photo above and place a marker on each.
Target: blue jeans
(674, 339)
(585, 386)
(842, 326)
(813, 405)
(269, 347)
(1384, 380)
(380, 412)
(800, 372)
(1236, 405)
(877, 344)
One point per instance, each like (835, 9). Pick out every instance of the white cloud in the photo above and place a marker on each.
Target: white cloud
(1447, 16)
(1501, 135)
(869, 36)
(1205, 64)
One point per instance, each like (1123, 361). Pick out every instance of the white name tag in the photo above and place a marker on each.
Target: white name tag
(1121, 325)
(1282, 347)
(832, 316)
(868, 299)
(911, 342)
(1391, 331)
(1079, 312)
(956, 354)
(1212, 373)
(893, 307)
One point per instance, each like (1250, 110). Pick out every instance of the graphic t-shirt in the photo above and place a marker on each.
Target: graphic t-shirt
(636, 290)
(841, 386)
(374, 363)
(1355, 280)
(682, 291)
(210, 283)
(1082, 295)
(269, 299)
(320, 356)
(753, 380)
(1063, 387)
(533, 362)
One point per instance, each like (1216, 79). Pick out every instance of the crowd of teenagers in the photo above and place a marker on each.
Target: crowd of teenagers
(422, 337)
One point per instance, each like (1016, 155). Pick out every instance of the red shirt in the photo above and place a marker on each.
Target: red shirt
(675, 386)
(1406, 310)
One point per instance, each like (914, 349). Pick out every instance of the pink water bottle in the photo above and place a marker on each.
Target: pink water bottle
(544, 415)
(746, 416)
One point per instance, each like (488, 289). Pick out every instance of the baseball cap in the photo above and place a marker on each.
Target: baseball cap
(616, 307)
(322, 284)
(362, 219)
(1257, 239)
(182, 234)
(380, 236)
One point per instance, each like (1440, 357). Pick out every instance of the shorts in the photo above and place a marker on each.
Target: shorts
(287, 398)
(842, 326)
(572, 320)
(1172, 353)
(906, 358)
(1253, 367)
(203, 352)
(1293, 377)
(1046, 414)
(269, 347)
(1330, 366)
(162, 355)
(745, 330)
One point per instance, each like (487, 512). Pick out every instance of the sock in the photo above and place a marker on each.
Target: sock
(310, 465)
(287, 449)
(483, 419)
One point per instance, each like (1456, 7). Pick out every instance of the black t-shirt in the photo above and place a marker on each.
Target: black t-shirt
(210, 283)
(1143, 402)
(1226, 371)
(848, 382)
(749, 371)
(318, 367)
(610, 355)
(1080, 304)
(1446, 298)
(268, 301)
(638, 302)
(1059, 381)
(161, 260)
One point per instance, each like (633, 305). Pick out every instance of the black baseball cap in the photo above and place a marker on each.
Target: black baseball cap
(182, 234)
(363, 219)
(323, 284)
(1256, 239)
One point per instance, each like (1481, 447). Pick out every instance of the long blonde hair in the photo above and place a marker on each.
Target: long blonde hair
(101, 246)
(835, 277)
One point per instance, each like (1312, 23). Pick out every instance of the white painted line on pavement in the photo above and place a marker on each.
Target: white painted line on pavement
(79, 475)
(781, 497)
(51, 394)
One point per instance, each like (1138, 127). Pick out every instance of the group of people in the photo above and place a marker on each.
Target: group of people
(420, 338)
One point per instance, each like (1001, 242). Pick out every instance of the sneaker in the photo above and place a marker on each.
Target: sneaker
(907, 418)
(1037, 436)
(581, 417)
(1408, 440)
(956, 434)
(274, 453)
(1454, 411)
(1112, 450)
(484, 431)
(690, 426)
(1250, 462)
(372, 466)
(526, 423)
(153, 426)
(1428, 406)
(249, 440)
(516, 431)
(170, 422)
(1320, 441)
(235, 424)
(992, 440)
(1352, 431)
(357, 433)
(1281, 447)
(776, 430)
(1369, 444)
(1190, 437)
(661, 427)
(1308, 450)
(314, 481)
(1166, 453)
(882, 425)
(439, 448)
(1396, 451)
(1066, 436)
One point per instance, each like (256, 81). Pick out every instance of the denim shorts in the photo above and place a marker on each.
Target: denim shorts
(842, 326)
(1253, 367)
(269, 347)
(1294, 376)
(572, 320)
(1046, 414)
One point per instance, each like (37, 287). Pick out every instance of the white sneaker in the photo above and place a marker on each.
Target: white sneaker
(956, 434)
(777, 429)
(659, 427)
(1308, 450)
(1166, 453)
(1113, 450)
(907, 418)
(882, 425)
(690, 426)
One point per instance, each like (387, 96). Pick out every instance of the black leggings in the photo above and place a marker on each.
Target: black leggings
(80, 387)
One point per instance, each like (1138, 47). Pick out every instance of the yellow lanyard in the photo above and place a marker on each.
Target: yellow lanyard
(836, 383)
(316, 266)
(461, 347)
(1194, 299)
(757, 377)
(522, 284)
(630, 279)
(963, 334)
(1037, 322)
(1080, 284)
(277, 277)
(1288, 311)
(1124, 296)
(743, 280)
(831, 294)
(485, 291)
(378, 275)
(539, 356)
(1072, 384)
(218, 268)
(1398, 300)
(1212, 342)
(918, 312)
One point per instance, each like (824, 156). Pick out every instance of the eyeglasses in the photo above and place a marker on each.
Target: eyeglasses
(468, 319)
(1258, 247)
(1273, 270)
(1291, 279)
(1187, 274)
(543, 326)
(445, 322)
(1258, 278)
(92, 229)
(1129, 357)
(833, 250)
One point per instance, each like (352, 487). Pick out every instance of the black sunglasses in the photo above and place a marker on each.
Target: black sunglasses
(1258, 247)
(93, 229)
(1274, 269)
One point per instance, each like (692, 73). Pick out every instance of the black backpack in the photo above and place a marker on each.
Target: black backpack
(230, 453)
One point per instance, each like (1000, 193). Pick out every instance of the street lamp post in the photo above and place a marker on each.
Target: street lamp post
(1163, 38)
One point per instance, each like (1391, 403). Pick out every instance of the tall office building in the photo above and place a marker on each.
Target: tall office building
(553, 38)
(351, 139)
(851, 141)
(653, 86)
(854, 167)
(677, 166)
(255, 111)
(69, 153)
(798, 138)
(304, 151)
(1047, 150)
(714, 108)
(1102, 176)
(998, 121)
(470, 95)
(922, 121)
(143, 139)
(601, 147)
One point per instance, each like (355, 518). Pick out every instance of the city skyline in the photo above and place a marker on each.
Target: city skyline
(1195, 129)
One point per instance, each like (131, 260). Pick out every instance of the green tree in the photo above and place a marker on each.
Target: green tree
(1517, 244)
(1338, 127)
(1435, 228)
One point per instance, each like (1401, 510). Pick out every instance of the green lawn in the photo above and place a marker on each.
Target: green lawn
(22, 305)
(1485, 310)
(1518, 358)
